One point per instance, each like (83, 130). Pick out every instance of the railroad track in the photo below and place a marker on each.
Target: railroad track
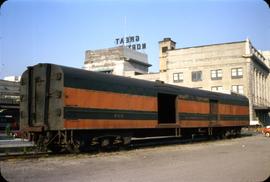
(23, 155)
(135, 144)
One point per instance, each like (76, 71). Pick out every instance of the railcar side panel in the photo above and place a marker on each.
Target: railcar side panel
(108, 100)
(233, 115)
(194, 114)
(192, 106)
(224, 123)
(228, 109)
(109, 124)
(93, 109)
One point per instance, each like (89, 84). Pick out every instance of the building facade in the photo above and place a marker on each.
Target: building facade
(9, 104)
(234, 67)
(117, 60)
(13, 78)
(229, 67)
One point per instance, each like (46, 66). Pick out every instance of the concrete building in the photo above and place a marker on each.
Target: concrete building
(229, 67)
(9, 92)
(266, 55)
(12, 78)
(9, 104)
(118, 60)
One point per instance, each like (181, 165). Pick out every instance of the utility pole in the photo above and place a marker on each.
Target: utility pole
(1, 3)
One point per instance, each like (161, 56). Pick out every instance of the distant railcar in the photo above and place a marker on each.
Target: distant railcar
(63, 107)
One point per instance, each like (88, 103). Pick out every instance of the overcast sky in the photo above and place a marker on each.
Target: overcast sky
(59, 31)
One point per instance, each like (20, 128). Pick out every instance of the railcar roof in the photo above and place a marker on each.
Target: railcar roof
(85, 78)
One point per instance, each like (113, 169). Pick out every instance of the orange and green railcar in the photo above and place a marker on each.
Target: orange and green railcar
(63, 107)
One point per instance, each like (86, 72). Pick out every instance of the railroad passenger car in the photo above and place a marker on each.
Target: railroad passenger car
(63, 107)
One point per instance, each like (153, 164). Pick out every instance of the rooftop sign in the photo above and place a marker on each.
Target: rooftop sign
(132, 42)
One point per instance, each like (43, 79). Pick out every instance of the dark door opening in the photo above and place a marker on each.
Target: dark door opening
(166, 108)
(213, 110)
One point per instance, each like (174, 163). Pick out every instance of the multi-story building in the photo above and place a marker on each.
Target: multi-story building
(117, 60)
(229, 67)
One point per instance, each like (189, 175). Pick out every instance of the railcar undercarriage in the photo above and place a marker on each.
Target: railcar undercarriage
(75, 141)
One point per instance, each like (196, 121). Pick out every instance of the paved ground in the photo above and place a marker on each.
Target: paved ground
(243, 159)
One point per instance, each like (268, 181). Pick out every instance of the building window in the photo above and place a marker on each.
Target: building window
(196, 76)
(238, 89)
(164, 49)
(237, 72)
(107, 72)
(178, 77)
(216, 88)
(137, 73)
(216, 74)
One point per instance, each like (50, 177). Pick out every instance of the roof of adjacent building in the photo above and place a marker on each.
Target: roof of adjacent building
(117, 52)
(208, 45)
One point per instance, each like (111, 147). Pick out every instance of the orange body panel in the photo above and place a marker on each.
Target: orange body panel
(108, 124)
(234, 123)
(190, 106)
(193, 124)
(226, 109)
(200, 123)
(109, 100)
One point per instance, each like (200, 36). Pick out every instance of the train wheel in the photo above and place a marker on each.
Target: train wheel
(126, 140)
(55, 148)
(105, 142)
(41, 143)
(73, 147)
(76, 146)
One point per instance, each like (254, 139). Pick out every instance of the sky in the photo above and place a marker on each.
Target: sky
(60, 31)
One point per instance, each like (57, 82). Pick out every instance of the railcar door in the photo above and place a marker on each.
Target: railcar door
(166, 108)
(213, 110)
(37, 94)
